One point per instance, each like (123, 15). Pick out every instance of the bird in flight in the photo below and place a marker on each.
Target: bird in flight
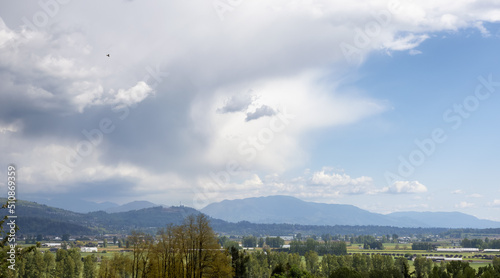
(107, 55)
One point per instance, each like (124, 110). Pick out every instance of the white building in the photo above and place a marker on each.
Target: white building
(442, 258)
(457, 250)
(491, 250)
(88, 249)
(470, 249)
(449, 249)
(51, 244)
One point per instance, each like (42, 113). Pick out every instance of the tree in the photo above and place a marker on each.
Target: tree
(496, 264)
(312, 259)
(361, 263)
(104, 243)
(32, 265)
(231, 244)
(328, 264)
(115, 239)
(258, 265)
(403, 267)
(261, 242)
(141, 244)
(460, 269)
(89, 266)
(65, 266)
(249, 241)
(298, 236)
(65, 237)
(49, 265)
(422, 267)
(239, 262)
(345, 272)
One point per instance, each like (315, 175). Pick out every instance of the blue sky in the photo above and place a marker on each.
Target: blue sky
(223, 100)
(420, 89)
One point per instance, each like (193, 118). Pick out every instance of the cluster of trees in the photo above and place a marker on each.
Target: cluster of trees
(252, 241)
(282, 265)
(249, 241)
(422, 246)
(338, 232)
(328, 247)
(377, 266)
(65, 263)
(479, 243)
(188, 250)
(274, 242)
(370, 242)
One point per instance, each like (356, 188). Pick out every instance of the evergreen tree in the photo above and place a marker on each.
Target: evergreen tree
(90, 266)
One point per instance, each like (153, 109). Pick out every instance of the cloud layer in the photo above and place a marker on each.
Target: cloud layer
(245, 86)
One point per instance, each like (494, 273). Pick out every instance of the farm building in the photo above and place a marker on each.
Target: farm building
(50, 244)
(88, 249)
(457, 250)
(491, 250)
(442, 258)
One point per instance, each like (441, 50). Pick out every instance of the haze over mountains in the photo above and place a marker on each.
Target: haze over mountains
(286, 209)
(82, 206)
(290, 210)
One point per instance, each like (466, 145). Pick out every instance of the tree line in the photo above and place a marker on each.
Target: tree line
(193, 250)
(479, 243)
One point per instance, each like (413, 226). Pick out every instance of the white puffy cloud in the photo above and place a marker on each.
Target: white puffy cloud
(405, 187)
(338, 179)
(406, 42)
(475, 195)
(464, 204)
(495, 203)
(131, 96)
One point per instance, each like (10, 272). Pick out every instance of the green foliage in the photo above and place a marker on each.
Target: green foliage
(312, 260)
(249, 241)
(239, 262)
(228, 244)
(422, 266)
(345, 272)
(422, 246)
(65, 237)
(275, 242)
(90, 266)
(330, 247)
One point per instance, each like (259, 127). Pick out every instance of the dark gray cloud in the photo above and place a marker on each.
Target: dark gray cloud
(237, 103)
(262, 111)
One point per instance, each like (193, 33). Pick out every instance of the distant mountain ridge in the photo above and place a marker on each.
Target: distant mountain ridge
(82, 206)
(445, 219)
(34, 219)
(287, 209)
(73, 204)
(135, 205)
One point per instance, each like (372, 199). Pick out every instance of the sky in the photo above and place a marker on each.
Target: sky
(385, 105)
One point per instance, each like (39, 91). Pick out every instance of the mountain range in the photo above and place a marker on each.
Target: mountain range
(34, 219)
(272, 215)
(286, 209)
(82, 206)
